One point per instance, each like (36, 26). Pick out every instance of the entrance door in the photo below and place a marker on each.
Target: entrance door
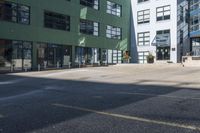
(17, 55)
(27, 55)
(163, 53)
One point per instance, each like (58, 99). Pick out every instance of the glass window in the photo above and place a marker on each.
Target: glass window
(113, 32)
(89, 27)
(5, 55)
(14, 12)
(139, 1)
(114, 9)
(143, 16)
(163, 13)
(142, 57)
(194, 5)
(90, 3)
(143, 39)
(195, 23)
(15, 53)
(56, 21)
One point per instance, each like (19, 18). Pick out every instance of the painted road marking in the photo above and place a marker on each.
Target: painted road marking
(190, 127)
(20, 95)
(157, 95)
(11, 82)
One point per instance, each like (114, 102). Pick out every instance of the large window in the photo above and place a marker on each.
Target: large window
(163, 50)
(195, 23)
(90, 3)
(142, 57)
(17, 54)
(53, 55)
(139, 1)
(113, 32)
(163, 13)
(14, 12)
(56, 21)
(114, 8)
(143, 16)
(143, 39)
(194, 5)
(89, 27)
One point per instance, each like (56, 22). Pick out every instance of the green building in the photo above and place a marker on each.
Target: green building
(57, 33)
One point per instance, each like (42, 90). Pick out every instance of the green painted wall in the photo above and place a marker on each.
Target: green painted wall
(36, 32)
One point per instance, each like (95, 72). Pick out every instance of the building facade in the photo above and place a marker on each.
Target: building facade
(55, 34)
(195, 26)
(160, 28)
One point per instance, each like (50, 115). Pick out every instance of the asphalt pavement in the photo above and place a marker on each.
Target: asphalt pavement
(115, 99)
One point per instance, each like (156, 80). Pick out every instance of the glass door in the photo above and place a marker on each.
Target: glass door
(163, 53)
(17, 55)
(27, 55)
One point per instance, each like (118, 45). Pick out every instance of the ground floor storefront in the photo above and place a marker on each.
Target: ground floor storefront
(160, 53)
(25, 56)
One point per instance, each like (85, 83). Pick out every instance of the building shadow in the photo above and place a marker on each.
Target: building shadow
(27, 103)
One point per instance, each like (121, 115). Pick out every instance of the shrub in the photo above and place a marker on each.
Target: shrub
(150, 58)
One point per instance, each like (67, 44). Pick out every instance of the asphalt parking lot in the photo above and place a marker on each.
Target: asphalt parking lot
(115, 99)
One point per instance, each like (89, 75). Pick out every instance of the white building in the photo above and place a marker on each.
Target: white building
(159, 27)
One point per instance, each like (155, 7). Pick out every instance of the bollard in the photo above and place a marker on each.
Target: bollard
(58, 65)
(38, 67)
(79, 64)
(69, 65)
(45, 64)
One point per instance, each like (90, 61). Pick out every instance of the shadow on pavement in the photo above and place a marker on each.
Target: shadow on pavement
(26, 103)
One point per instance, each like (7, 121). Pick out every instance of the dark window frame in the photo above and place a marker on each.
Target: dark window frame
(113, 10)
(89, 4)
(88, 23)
(143, 42)
(61, 21)
(143, 20)
(114, 29)
(163, 17)
(15, 17)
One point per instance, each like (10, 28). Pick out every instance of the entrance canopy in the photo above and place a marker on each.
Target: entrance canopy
(162, 40)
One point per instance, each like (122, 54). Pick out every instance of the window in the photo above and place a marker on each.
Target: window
(142, 57)
(143, 16)
(181, 13)
(139, 1)
(195, 23)
(143, 39)
(90, 3)
(163, 50)
(113, 32)
(16, 53)
(162, 32)
(114, 8)
(89, 27)
(163, 13)
(194, 5)
(14, 12)
(56, 21)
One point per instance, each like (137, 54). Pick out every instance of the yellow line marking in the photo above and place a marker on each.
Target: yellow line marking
(191, 127)
(167, 96)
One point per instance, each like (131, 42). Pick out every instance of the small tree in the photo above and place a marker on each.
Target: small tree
(150, 58)
(126, 57)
